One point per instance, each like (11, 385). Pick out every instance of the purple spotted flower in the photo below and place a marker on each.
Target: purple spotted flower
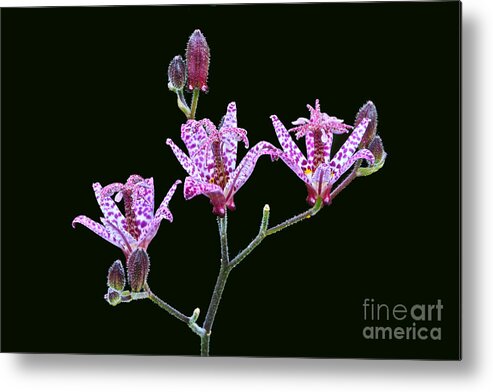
(318, 170)
(137, 226)
(211, 160)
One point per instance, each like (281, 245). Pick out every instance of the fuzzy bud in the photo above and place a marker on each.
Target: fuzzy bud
(376, 148)
(368, 110)
(138, 269)
(177, 74)
(198, 57)
(116, 276)
(113, 297)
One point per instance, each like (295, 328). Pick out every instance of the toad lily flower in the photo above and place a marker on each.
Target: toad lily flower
(211, 164)
(319, 171)
(137, 227)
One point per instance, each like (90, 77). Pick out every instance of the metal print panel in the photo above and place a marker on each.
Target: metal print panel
(235, 180)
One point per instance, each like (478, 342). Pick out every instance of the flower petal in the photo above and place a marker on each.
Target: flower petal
(195, 138)
(108, 206)
(143, 204)
(247, 164)
(126, 241)
(229, 140)
(162, 212)
(294, 167)
(229, 120)
(194, 187)
(288, 145)
(361, 154)
(97, 228)
(349, 146)
(185, 161)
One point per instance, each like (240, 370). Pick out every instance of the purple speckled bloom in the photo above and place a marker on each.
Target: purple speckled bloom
(318, 170)
(139, 224)
(211, 160)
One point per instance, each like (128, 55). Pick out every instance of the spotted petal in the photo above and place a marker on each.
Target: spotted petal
(247, 164)
(108, 206)
(361, 154)
(162, 212)
(229, 120)
(185, 161)
(143, 205)
(194, 187)
(294, 167)
(97, 228)
(288, 145)
(349, 146)
(194, 136)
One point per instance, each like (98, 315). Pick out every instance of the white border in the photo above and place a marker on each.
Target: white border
(56, 373)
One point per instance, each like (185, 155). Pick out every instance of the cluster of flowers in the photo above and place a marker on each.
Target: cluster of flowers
(213, 171)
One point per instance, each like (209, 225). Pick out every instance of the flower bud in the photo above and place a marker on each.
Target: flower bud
(368, 110)
(177, 73)
(138, 269)
(376, 148)
(198, 57)
(113, 297)
(116, 276)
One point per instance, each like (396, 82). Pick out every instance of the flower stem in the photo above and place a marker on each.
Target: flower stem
(213, 306)
(190, 321)
(182, 103)
(163, 305)
(264, 232)
(347, 180)
(195, 101)
(227, 266)
(222, 223)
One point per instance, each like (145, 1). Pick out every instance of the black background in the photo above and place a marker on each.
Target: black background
(84, 99)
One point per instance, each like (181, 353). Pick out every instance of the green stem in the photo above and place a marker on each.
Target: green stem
(163, 305)
(182, 103)
(223, 237)
(347, 180)
(264, 232)
(227, 266)
(195, 101)
(213, 306)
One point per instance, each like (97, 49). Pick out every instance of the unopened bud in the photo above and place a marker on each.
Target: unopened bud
(138, 269)
(376, 148)
(177, 73)
(198, 57)
(113, 297)
(116, 276)
(368, 110)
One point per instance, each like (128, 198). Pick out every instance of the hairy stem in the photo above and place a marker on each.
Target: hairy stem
(347, 180)
(264, 232)
(213, 306)
(222, 224)
(163, 305)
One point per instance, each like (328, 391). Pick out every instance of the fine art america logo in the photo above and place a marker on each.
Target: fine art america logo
(402, 322)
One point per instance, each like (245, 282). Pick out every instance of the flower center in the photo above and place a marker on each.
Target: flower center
(132, 227)
(319, 145)
(220, 177)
